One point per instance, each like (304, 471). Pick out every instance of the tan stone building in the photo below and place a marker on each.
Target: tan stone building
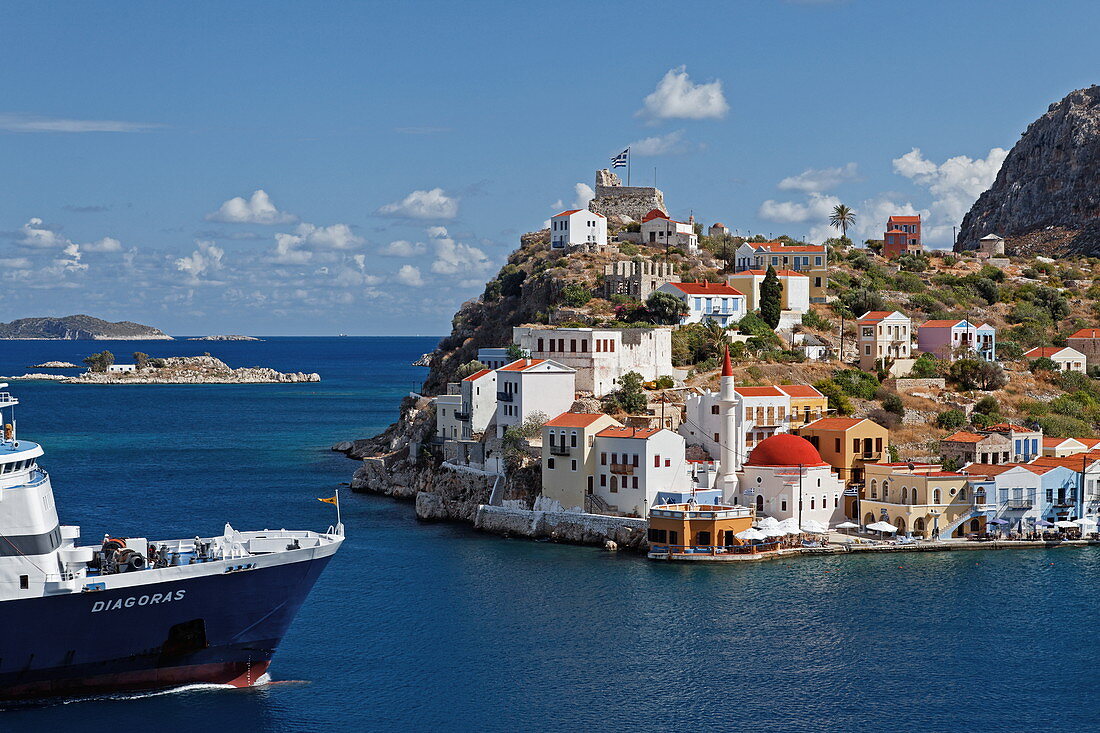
(848, 444)
(1087, 341)
(885, 336)
(921, 500)
(965, 447)
(568, 458)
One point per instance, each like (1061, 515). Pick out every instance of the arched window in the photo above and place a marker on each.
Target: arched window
(914, 495)
(812, 503)
(904, 495)
(836, 500)
(614, 483)
(936, 496)
(759, 503)
(885, 488)
(962, 494)
(873, 494)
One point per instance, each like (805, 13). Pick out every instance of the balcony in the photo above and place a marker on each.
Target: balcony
(462, 416)
(622, 469)
(1065, 503)
(505, 396)
(869, 456)
(1019, 504)
(558, 450)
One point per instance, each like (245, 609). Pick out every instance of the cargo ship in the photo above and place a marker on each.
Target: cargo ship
(136, 613)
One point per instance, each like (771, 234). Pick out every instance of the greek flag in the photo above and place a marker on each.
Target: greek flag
(619, 161)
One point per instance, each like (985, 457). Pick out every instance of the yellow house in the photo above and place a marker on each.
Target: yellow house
(848, 444)
(568, 461)
(687, 529)
(807, 404)
(919, 499)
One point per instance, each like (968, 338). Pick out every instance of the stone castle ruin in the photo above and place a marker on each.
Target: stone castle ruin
(637, 278)
(624, 204)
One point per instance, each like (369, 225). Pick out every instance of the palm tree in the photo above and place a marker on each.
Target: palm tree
(842, 218)
(716, 336)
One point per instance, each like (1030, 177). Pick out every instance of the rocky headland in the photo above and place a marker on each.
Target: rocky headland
(56, 365)
(79, 327)
(225, 337)
(1046, 197)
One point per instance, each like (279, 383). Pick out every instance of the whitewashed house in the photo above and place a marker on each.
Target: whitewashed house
(479, 402)
(635, 465)
(785, 477)
(529, 386)
(577, 227)
(659, 230)
(447, 408)
(601, 356)
(705, 301)
(569, 457)
(1067, 359)
(121, 368)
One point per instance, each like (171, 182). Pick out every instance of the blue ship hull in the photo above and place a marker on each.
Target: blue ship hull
(220, 629)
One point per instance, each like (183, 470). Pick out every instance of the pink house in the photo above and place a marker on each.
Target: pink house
(957, 339)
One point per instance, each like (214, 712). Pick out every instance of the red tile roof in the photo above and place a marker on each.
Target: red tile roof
(1074, 461)
(874, 316)
(477, 375)
(940, 324)
(654, 214)
(799, 390)
(1086, 333)
(989, 469)
(780, 248)
(1002, 427)
(574, 419)
(964, 437)
(1040, 351)
(906, 219)
(639, 433)
(1055, 442)
(520, 365)
(574, 211)
(833, 423)
(706, 289)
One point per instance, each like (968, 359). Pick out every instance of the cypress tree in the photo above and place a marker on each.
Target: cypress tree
(771, 293)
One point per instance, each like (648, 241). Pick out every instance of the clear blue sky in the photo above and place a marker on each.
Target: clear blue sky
(402, 148)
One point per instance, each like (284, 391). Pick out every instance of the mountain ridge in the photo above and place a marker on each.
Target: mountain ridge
(79, 327)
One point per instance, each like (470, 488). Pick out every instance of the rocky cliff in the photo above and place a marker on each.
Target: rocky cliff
(1046, 198)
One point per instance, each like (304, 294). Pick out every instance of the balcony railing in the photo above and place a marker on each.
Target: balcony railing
(623, 469)
(1065, 502)
(1019, 504)
(462, 416)
(558, 450)
(873, 456)
(505, 396)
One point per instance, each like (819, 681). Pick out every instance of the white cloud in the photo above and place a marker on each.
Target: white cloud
(409, 275)
(671, 144)
(433, 204)
(37, 234)
(816, 207)
(256, 210)
(583, 195)
(204, 261)
(298, 248)
(954, 184)
(34, 123)
(819, 179)
(15, 263)
(107, 244)
(453, 257)
(403, 248)
(676, 97)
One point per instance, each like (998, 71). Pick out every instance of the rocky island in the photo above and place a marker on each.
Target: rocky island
(225, 337)
(79, 327)
(204, 369)
(56, 365)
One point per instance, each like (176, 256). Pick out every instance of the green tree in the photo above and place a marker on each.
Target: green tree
(140, 359)
(515, 351)
(470, 367)
(892, 403)
(725, 247)
(977, 374)
(575, 294)
(771, 295)
(861, 300)
(988, 405)
(664, 308)
(1043, 364)
(838, 401)
(1053, 302)
(629, 397)
(99, 362)
(717, 337)
(842, 218)
(926, 367)
(951, 419)
(857, 383)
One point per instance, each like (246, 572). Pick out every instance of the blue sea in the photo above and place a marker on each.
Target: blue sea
(421, 627)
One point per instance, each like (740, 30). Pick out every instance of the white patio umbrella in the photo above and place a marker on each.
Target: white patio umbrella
(1065, 524)
(1085, 522)
(882, 527)
(847, 525)
(774, 532)
(790, 524)
(814, 527)
(767, 523)
(750, 534)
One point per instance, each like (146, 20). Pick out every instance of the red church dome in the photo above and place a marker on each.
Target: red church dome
(784, 449)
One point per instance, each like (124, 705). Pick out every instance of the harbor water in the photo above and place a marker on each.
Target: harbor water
(418, 627)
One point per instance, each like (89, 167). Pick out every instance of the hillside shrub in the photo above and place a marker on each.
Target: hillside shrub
(813, 319)
(1061, 426)
(977, 374)
(838, 400)
(927, 366)
(857, 383)
(1043, 364)
(575, 294)
(951, 419)
(892, 403)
